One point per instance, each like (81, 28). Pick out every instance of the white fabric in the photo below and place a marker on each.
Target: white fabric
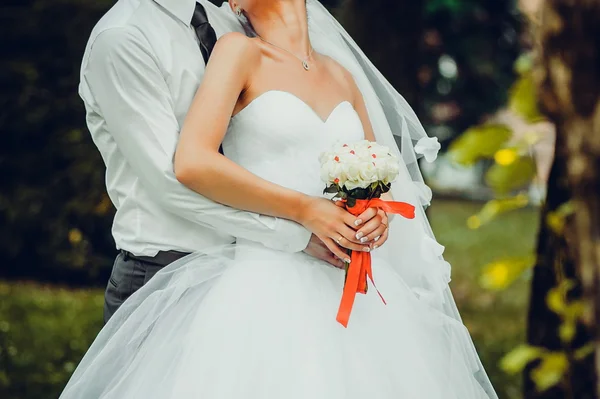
(140, 71)
(394, 120)
(250, 322)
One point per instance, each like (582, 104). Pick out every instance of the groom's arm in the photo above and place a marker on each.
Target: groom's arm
(131, 94)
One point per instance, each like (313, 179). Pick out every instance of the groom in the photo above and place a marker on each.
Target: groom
(142, 66)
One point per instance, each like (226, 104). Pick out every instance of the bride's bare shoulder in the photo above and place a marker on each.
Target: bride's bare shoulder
(341, 74)
(235, 47)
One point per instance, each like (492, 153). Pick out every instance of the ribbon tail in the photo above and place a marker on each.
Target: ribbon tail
(399, 208)
(350, 289)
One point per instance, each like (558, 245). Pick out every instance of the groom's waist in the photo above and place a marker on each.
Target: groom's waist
(145, 236)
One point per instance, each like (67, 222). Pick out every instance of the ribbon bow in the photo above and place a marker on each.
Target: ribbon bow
(360, 265)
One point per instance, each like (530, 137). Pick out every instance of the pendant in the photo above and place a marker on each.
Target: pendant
(305, 65)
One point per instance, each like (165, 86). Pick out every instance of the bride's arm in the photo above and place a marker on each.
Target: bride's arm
(380, 233)
(200, 166)
(126, 93)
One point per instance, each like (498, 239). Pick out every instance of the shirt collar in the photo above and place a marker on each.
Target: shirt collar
(182, 9)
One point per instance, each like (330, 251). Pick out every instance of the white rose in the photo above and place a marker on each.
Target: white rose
(368, 173)
(358, 164)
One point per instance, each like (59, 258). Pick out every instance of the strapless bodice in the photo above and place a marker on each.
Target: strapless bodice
(279, 138)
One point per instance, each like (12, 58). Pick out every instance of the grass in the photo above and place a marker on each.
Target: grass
(44, 330)
(496, 320)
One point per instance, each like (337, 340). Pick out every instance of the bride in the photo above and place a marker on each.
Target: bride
(245, 321)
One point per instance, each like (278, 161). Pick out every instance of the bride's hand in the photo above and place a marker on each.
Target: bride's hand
(332, 224)
(372, 226)
(374, 229)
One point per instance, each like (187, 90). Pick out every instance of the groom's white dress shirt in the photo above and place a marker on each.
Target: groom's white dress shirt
(141, 69)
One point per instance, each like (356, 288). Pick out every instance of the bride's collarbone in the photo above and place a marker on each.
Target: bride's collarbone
(321, 96)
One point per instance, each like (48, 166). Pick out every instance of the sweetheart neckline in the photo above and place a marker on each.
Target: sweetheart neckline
(292, 95)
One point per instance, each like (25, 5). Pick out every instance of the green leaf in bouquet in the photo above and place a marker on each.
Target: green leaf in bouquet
(506, 178)
(479, 142)
(333, 189)
(359, 193)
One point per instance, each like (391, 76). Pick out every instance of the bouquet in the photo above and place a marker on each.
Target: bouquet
(359, 174)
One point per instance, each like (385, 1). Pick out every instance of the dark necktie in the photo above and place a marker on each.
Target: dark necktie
(206, 34)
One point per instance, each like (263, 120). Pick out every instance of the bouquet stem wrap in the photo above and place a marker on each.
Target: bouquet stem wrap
(360, 266)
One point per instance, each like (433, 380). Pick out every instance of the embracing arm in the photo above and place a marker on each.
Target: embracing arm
(130, 92)
(200, 166)
(198, 163)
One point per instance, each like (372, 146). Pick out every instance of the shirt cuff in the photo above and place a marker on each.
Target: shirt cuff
(292, 237)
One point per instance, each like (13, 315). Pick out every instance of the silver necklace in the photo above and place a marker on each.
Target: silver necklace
(304, 61)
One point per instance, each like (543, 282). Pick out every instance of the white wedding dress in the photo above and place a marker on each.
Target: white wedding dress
(247, 322)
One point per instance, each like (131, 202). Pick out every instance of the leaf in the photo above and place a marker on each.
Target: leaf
(479, 142)
(506, 178)
(524, 64)
(496, 207)
(556, 220)
(556, 299)
(523, 99)
(333, 189)
(584, 351)
(515, 361)
(567, 331)
(550, 371)
(500, 274)
(506, 156)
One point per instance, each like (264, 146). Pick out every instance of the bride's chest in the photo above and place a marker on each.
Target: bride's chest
(283, 126)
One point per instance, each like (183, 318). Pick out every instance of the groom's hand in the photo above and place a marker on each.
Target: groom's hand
(317, 249)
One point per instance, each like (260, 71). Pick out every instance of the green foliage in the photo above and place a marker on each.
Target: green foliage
(479, 142)
(512, 170)
(500, 274)
(518, 358)
(482, 39)
(505, 179)
(52, 185)
(496, 207)
(496, 321)
(523, 99)
(44, 333)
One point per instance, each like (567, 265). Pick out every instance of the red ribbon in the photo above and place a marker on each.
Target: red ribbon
(360, 265)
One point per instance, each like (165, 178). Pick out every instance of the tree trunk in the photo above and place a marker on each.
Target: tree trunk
(568, 75)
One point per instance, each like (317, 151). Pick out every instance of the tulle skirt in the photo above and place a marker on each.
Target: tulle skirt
(248, 322)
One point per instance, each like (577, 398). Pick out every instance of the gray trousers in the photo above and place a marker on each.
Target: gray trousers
(129, 274)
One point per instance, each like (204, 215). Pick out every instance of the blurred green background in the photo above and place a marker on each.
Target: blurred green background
(452, 59)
